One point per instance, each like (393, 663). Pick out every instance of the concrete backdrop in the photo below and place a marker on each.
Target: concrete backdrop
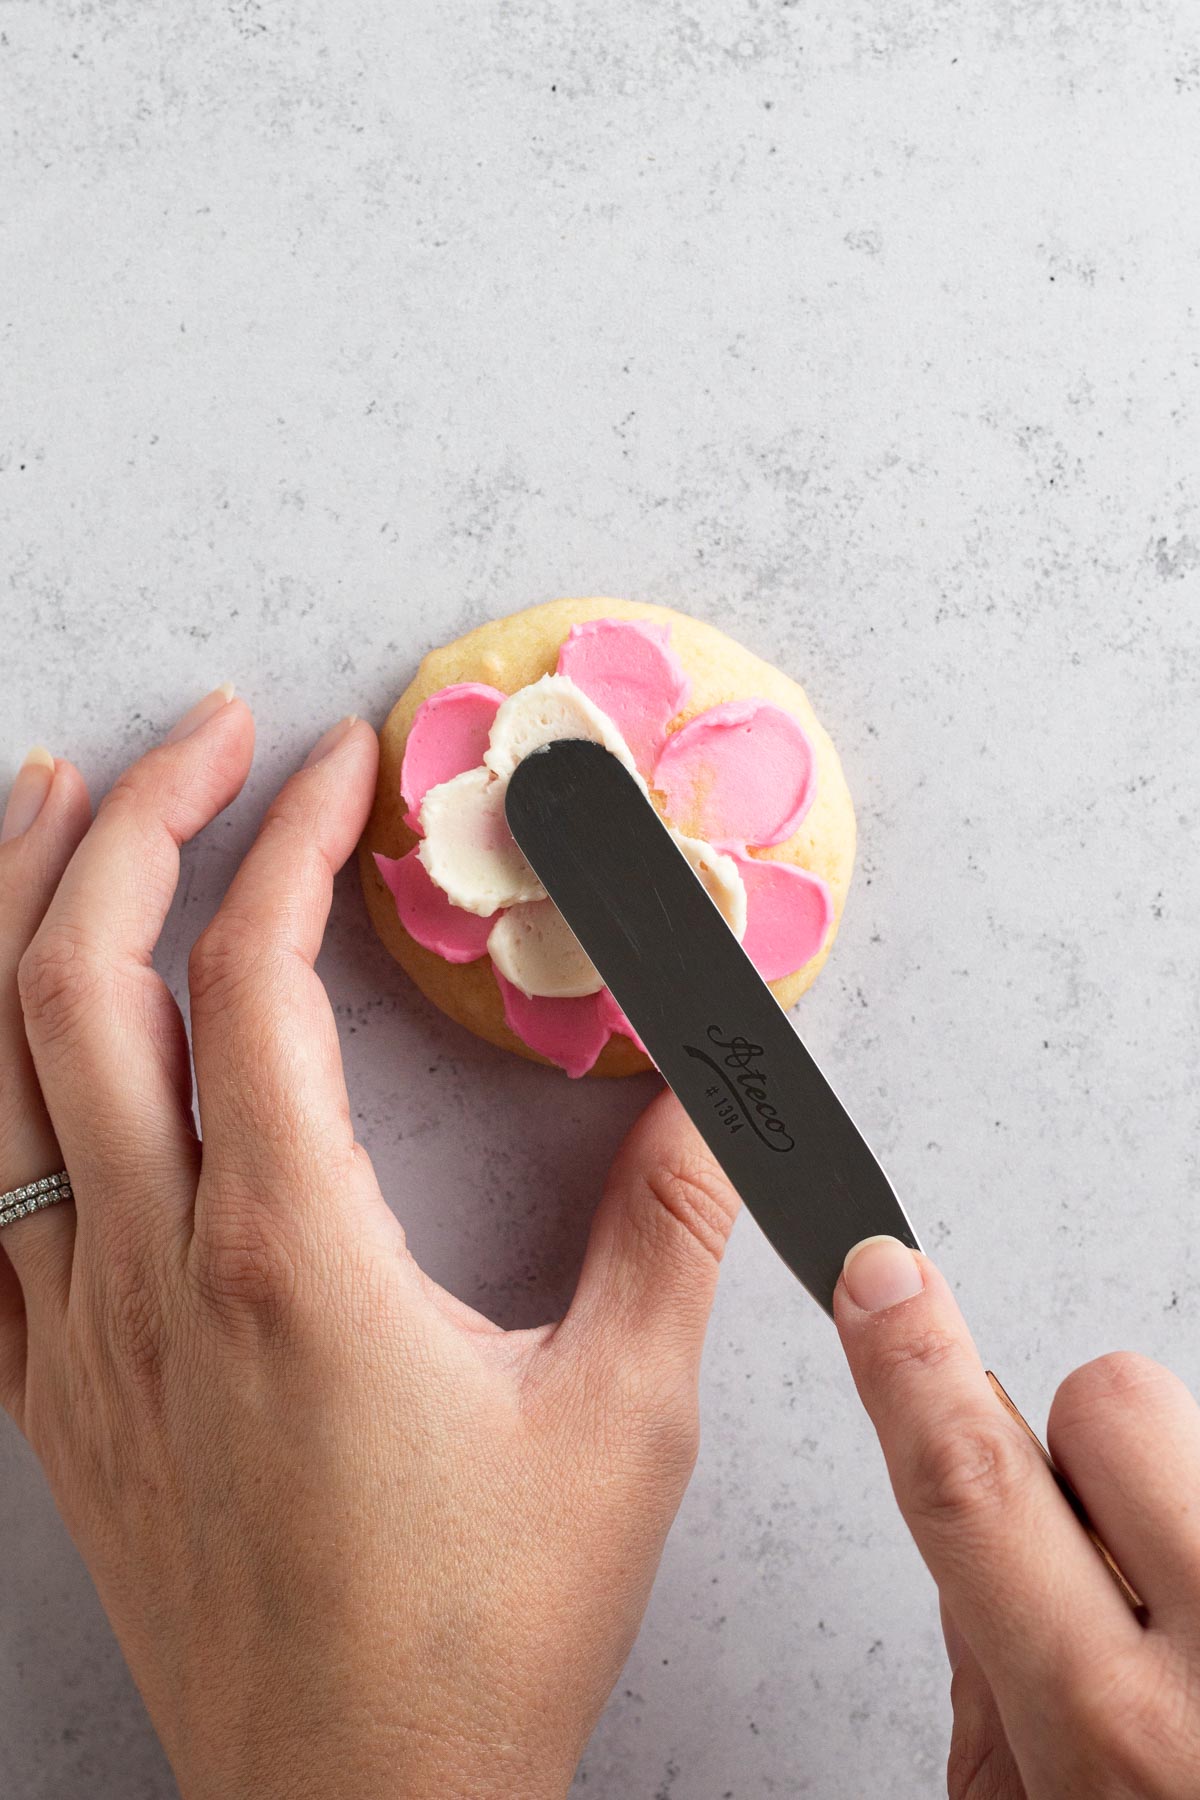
(865, 329)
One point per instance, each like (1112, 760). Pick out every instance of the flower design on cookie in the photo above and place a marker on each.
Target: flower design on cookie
(730, 781)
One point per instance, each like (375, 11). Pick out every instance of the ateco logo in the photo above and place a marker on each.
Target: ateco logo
(739, 1094)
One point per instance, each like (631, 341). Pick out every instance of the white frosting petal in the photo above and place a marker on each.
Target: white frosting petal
(544, 711)
(469, 852)
(535, 949)
(719, 873)
(468, 849)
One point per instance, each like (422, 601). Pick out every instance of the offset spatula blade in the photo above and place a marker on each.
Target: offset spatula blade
(707, 1018)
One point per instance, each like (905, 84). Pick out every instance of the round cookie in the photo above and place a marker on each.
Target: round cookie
(509, 654)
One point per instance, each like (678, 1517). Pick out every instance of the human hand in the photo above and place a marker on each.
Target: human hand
(1059, 1691)
(354, 1539)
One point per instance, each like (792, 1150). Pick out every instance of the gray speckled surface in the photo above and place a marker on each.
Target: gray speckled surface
(864, 329)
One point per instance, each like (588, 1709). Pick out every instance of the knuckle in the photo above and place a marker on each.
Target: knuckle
(672, 1425)
(974, 1467)
(692, 1191)
(668, 1445)
(222, 958)
(145, 798)
(656, 1415)
(138, 809)
(250, 1277)
(1117, 1380)
(144, 811)
(1118, 1724)
(289, 836)
(289, 821)
(677, 1453)
(125, 795)
(974, 1768)
(14, 1096)
(926, 1350)
(131, 1305)
(138, 1333)
(57, 979)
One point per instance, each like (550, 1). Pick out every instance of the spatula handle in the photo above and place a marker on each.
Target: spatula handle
(1128, 1592)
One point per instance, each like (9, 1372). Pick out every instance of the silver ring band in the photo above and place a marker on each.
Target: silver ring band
(33, 1196)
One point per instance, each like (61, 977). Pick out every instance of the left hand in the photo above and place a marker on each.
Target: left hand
(354, 1539)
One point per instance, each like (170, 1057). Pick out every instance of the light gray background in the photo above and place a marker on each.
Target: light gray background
(864, 330)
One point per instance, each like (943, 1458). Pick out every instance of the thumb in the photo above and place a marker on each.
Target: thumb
(650, 1272)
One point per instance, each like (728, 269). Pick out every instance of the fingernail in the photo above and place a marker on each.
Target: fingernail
(201, 713)
(330, 740)
(881, 1272)
(28, 796)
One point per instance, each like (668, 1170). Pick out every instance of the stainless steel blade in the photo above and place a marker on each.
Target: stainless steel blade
(707, 1018)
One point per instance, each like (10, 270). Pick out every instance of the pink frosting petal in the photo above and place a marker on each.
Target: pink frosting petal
(448, 734)
(788, 913)
(741, 773)
(620, 1023)
(428, 916)
(627, 667)
(572, 1033)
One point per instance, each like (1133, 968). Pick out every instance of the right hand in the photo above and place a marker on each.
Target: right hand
(1059, 1691)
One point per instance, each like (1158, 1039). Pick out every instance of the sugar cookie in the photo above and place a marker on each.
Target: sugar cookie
(728, 748)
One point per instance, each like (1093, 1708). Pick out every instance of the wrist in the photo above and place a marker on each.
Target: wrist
(497, 1775)
(406, 1764)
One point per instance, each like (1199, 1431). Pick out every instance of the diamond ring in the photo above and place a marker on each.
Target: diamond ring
(33, 1196)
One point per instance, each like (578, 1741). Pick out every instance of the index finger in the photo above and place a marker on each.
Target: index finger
(1018, 1574)
(278, 1130)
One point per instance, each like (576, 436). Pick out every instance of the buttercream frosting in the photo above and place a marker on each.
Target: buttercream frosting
(429, 915)
(721, 878)
(629, 670)
(467, 848)
(533, 947)
(571, 1033)
(449, 734)
(746, 762)
(543, 712)
(738, 775)
(788, 914)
